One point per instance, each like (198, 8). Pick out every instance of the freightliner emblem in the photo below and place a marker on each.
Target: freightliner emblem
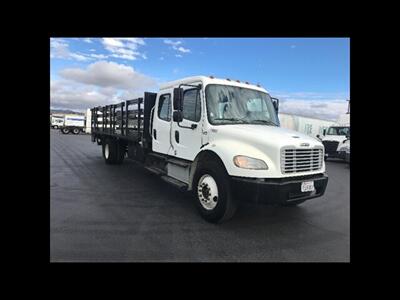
(304, 144)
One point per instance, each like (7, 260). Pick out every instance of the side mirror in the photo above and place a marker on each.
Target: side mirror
(275, 102)
(324, 133)
(177, 116)
(178, 99)
(348, 136)
(318, 136)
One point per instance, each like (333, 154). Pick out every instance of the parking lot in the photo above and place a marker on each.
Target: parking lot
(114, 213)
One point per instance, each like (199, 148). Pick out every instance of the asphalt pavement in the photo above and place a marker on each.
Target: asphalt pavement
(117, 213)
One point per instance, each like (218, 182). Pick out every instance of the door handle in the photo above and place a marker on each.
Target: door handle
(155, 134)
(177, 136)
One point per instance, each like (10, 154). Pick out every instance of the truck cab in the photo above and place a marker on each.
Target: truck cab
(221, 140)
(57, 121)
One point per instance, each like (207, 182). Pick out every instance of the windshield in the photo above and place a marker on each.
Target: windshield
(339, 131)
(237, 105)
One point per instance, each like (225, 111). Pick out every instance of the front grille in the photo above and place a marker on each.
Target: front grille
(301, 160)
(330, 146)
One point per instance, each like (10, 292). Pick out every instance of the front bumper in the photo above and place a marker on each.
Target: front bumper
(278, 190)
(336, 154)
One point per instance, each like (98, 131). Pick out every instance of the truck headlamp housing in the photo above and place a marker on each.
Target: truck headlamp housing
(246, 162)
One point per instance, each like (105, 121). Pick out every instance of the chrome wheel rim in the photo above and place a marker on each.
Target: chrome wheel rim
(207, 192)
(106, 151)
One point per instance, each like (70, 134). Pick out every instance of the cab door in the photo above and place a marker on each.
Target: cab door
(161, 141)
(186, 137)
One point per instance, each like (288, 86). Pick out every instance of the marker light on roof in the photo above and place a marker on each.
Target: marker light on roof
(228, 79)
(258, 85)
(247, 82)
(212, 77)
(237, 80)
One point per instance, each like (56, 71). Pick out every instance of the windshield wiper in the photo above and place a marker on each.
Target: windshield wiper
(265, 122)
(229, 119)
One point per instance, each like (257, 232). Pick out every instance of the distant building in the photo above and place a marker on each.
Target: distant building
(309, 126)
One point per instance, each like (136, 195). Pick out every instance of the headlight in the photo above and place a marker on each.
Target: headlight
(246, 162)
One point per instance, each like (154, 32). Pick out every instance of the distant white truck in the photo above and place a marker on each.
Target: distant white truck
(73, 124)
(334, 138)
(344, 150)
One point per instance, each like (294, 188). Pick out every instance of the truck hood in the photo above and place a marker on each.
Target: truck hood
(258, 141)
(334, 138)
(276, 137)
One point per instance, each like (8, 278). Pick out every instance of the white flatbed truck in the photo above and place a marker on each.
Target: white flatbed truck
(219, 139)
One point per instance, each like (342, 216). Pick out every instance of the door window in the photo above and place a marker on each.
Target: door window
(192, 105)
(164, 107)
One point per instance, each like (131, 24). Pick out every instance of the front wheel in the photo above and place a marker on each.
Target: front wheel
(212, 193)
(55, 127)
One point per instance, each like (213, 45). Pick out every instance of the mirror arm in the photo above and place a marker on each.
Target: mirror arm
(193, 126)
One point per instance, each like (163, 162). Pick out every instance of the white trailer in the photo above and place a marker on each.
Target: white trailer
(311, 126)
(219, 139)
(73, 123)
(88, 121)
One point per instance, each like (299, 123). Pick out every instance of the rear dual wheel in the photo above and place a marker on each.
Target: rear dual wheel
(65, 130)
(75, 131)
(113, 152)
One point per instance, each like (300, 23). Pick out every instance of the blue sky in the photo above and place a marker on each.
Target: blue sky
(309, 75)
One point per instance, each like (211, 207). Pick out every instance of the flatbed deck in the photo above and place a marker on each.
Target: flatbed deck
(128, 120)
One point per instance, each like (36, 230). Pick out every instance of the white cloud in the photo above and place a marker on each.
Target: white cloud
(315, 105)
(59, 49)
(108, 74)
(178, 55)
(175, 44)
(124, 48)
(184, 50)
(69, 95)
(99, 83)
(79, 57)
(169, 42)
(98, 56)
(92, 50)
(87, 40)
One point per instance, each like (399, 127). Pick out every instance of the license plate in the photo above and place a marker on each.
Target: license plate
(307, 186)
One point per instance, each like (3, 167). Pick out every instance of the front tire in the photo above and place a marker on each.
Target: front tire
(55, 127)
(212, 193)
